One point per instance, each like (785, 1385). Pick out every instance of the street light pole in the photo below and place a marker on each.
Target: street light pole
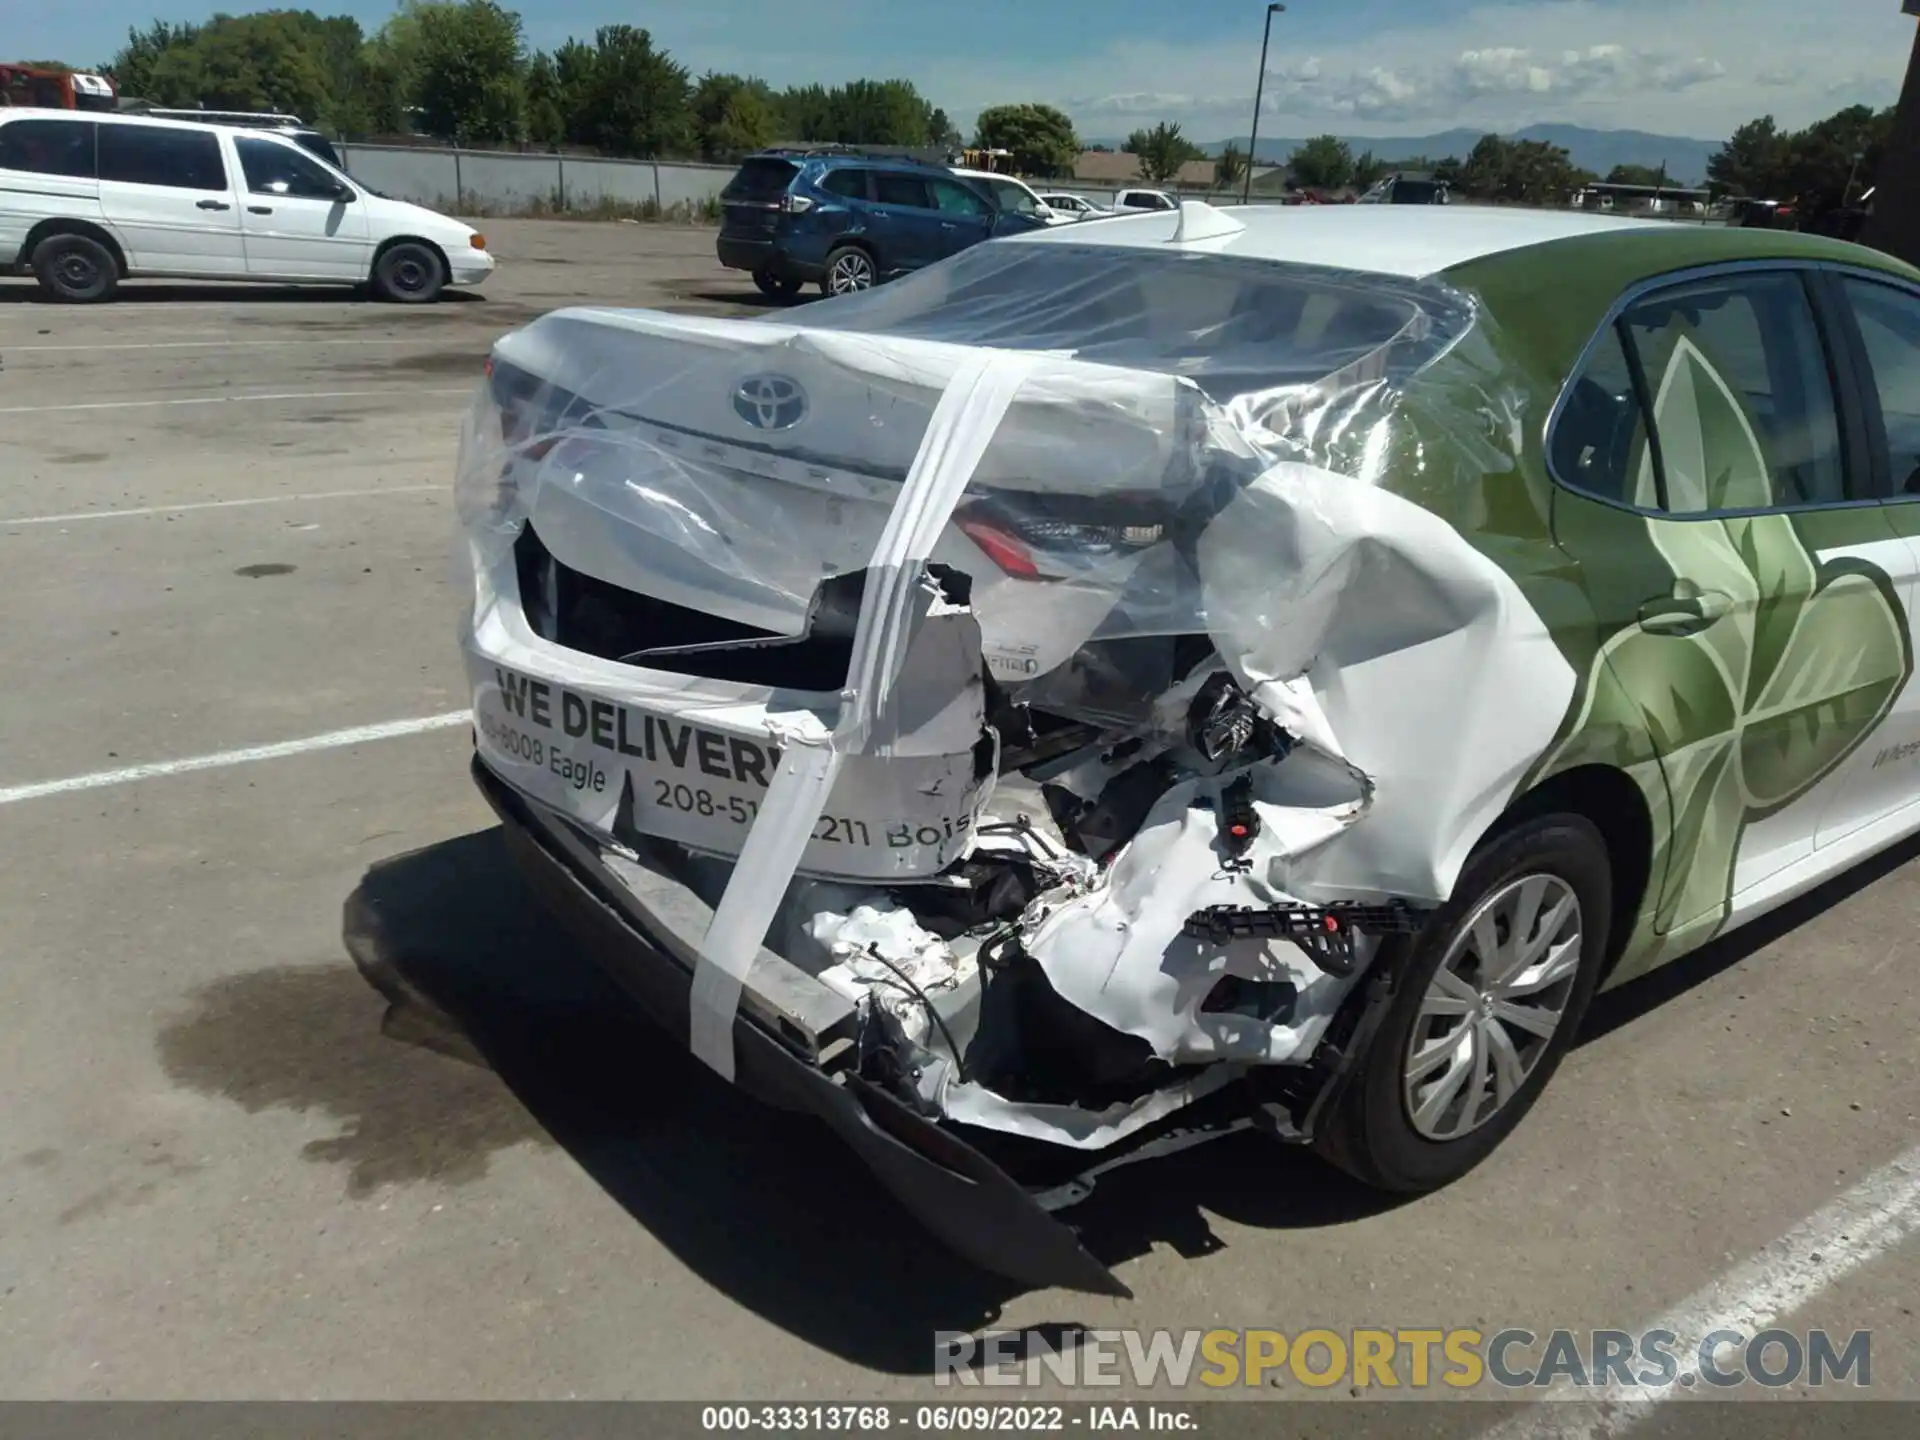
(1259, 92)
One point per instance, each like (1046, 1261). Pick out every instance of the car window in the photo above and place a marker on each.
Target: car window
(892, 188)
(850, 182)
(1012, 197)
(1599, 438)
(1890, 328)
(48, 147)
(315, 143)
(956, 199)
(281, 170)
(1743, 406)
(150, 155)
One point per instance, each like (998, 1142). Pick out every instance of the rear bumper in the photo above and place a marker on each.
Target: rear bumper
(981, 1212)
(752, 253)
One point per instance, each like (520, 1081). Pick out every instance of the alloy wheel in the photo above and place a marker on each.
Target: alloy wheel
(852, 271)
(1493, 1007)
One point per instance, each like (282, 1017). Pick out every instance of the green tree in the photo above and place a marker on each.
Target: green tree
(1369, 170)
(1230, 166)
(732, 115)
(1638, 175)
(637, 96)
(574, 66)
(804, 112)
(1833, 160)
(1752, 163)
(879, 112)
(1323, 163)
(467, 72)
(1040, 137)
(546, 121)
(1161, 152)
(942, 131)
(132, 67)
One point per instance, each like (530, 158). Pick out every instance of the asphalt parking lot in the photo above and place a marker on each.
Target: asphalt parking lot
(226, 524)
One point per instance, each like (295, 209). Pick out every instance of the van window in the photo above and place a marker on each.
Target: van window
(281, 170)
(150, 155)
(48, 147)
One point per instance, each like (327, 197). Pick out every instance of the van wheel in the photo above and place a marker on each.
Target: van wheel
(1490, 997)
(408, 274)
(849, 271)
(75, 269)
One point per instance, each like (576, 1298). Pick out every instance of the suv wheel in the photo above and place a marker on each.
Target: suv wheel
(849, 270)
(1487, 1004)
(776, 287)
(75, 269)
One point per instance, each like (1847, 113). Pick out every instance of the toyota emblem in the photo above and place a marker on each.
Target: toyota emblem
(770, 402)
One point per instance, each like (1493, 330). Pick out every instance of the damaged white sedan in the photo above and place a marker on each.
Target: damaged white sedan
(1172, 659)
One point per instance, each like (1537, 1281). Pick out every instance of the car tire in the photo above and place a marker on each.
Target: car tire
(409, 274)
(776, 287)
(1451, 1019)
(75, 269)
(850, 270)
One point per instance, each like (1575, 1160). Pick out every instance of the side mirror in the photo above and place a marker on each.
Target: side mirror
(344, 194)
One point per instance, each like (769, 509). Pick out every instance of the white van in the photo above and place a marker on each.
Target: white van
(87, 200)
(1014, 195)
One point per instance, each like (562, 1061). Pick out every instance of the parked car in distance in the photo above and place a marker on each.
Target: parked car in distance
(847, 221)
(1073, 207)
(89, 200)
(1013, 195)
(1406, 189)
(1144, 200)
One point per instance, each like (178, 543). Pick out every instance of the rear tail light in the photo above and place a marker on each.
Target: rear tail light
(1022, 545)
(1013, 558)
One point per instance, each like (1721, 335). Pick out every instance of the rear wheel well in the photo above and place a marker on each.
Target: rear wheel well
(446, 266)
(47, 229)
(1610, 800)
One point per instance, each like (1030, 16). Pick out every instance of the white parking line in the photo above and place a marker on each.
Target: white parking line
(231, 399)
(217, 505)
(1867, 1221)
(332, 740)
(221, 344)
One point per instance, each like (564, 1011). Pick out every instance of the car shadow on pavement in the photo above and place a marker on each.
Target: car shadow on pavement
(237, 292)
(1618, 1008)
(768, 1207)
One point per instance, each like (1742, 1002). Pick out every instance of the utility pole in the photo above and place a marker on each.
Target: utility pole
(1259, 92)
(1895, 224)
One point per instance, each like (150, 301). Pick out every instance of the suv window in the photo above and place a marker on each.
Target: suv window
(1889, 322)
(48, 147)
(281, 170)
(850, 182)
(893, 188)
(1743, 408)
(956, 199)
(150, 155)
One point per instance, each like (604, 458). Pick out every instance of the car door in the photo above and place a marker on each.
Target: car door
(1746, 583)
(300, 220)
(1881, 319)
(966, 217)
(166, 194)
(906, 227)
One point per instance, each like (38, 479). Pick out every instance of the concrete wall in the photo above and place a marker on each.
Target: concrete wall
(491, 179)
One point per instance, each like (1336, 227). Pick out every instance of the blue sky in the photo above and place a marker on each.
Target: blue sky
(1361, 67)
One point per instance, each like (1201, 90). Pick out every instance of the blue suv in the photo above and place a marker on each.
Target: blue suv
(848, 221)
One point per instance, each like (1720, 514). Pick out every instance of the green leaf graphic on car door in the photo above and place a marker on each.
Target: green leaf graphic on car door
(1748, 713)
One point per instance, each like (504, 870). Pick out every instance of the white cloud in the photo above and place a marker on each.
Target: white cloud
(1697, 68)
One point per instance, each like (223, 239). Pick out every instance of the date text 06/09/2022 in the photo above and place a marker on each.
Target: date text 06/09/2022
(949, 1419)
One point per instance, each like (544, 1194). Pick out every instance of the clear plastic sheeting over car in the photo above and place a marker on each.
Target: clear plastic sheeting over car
(1040, 600)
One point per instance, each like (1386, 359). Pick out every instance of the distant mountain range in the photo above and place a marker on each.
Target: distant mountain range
(1596, 150)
